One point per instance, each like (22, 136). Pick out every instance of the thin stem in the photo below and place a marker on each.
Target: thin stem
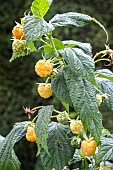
(57, 111)
(53, 45)
(45, 42)
(102, 59)
(38, 107)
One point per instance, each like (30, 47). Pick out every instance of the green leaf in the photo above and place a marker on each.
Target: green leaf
(95, 127)
(79, 62)
(35, 28)
(8, 159)
(42, 125)
(83, 96)
(60, 89)
(86, 47)
(106, 149)
(16, 55)
(70, 18)
(31, 47)
(104, 73)
(38, 44)
(40, 7)
(106, 86)
(59, 147)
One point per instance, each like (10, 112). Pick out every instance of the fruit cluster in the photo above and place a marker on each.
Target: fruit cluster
(31, 135)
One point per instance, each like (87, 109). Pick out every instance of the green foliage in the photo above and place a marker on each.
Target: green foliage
(8, 159)
(59, 147)
(40, 7)
(42, 126)
(73, 84)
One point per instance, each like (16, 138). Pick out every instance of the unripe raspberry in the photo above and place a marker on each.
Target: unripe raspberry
(18, 46)
(31, 135)
(105, 168)
(43, 68)
(18, 32)
(63, 117)
(88, 147)
(45, 90)
(76, 126)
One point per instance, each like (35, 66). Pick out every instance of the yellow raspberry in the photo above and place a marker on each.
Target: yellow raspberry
(18, 32)
(76, 126)
(31, 135)
(88, 147)
(43, 68)
(45, 90)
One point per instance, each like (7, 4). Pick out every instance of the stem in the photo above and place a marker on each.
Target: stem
(38, 107)
(45, 42)
(57, 111)
(102, 59)
(97, 22)
(34, 118)
(53, 45)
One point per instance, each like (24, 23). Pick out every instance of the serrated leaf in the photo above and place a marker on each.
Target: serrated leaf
(104, 73)
(59, 147)
(36, 27)
(106, 86)
(31, 47)
(83, 96)
(70, 18)
(40, 7)
(106, 149)
(7, 158)
(60, 89)
(95, 127)
(16, 55)
(86, 47)
(42, 125)
(79, 62)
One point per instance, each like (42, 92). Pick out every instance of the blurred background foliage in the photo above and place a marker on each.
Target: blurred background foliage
(18, 79)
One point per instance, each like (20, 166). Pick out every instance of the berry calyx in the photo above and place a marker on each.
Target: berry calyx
(18, 46)
(76, 126)
(88, 147)
(63, 117)
(45, 90)
(18, 32)
(43, 68)
(31, 135)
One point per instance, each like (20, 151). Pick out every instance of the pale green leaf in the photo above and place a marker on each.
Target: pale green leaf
(59, 147)
(42, 125)
(36, 27)
(71, 18)
(106, 86)
(83, 96)
(40, 7)
(79, 62)
(60, 89)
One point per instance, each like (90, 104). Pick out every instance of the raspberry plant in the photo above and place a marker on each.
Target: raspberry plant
(69, 69)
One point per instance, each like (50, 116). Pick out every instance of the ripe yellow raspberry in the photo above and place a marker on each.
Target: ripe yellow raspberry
(88, 147)
(18, 46)
(31, 135)
(45, 90)
(76, 126)
(105, 168)
(18, 32)
(43, 68)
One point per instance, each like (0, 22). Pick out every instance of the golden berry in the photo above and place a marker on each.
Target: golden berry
(43, 68)
(31, 135)
(45, 90)
(88, 147)
(76, 126)
(18, 32)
